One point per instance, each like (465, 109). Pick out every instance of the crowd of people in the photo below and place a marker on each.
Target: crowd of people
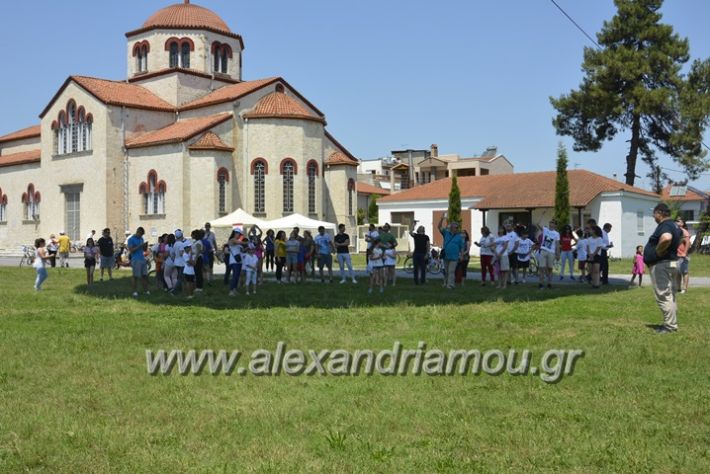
(184, 264)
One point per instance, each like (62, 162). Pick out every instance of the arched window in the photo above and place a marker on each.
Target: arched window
(225, 60)
(288, 170)
(3, 207)
(153, 192)
(259, 171)
(73, 127)
(144, 58)
(82, 129)
(174, 56)
(31, 199)
(351, 195)
(88, 131)
(222, 180)
(185, 57)
(312, 172)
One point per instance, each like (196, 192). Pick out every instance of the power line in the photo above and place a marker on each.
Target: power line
(682, 172)
(576, 24)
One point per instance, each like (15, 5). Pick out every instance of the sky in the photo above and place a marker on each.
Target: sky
(464, 74)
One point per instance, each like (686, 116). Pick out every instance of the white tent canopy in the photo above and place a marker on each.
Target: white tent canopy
(296, 220)
(240, 217)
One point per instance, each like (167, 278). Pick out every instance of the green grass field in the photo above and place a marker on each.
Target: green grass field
(76, 396)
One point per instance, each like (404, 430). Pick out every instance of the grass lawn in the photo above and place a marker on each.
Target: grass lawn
(76, 396)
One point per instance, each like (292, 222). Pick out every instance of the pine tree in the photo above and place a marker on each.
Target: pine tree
(454, 202)
(562, 188)
(634, 82)
(372, 216)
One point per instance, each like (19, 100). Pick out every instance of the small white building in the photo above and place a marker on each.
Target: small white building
(529, 198)
(692, 203)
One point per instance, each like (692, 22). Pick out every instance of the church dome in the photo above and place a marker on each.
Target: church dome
(186, 15)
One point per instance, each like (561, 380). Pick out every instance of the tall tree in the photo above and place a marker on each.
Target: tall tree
(372, 216)
(562, 188)
(634, 83)
(454, 202)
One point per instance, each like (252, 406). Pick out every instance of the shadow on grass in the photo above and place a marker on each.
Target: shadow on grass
(335, 295)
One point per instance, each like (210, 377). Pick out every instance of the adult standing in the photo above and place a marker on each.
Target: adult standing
(208, 255)
(342, 248)
(487, 243)
(52, 247)
(683, 260)
(106, 252)
(139, 265)
(549, 253)
(453, 248)
(269, 250)
(567, 240)
(605, 253)
(325, 249)
(370, 237)
(178, 254)
(422, 247)
(661, 256)
(513, 241)
(280, 254)
(386, 238)
(462, 267)
(63, 250)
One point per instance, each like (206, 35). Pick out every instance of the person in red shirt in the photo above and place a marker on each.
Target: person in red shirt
(683, 261)
(567, 240)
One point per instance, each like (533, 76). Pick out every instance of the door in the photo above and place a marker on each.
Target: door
(72, 214)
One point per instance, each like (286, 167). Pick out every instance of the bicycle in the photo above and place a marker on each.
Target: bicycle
(433, 263)
(28, 255)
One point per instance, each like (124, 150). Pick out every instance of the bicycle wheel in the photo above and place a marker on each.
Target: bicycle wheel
(408, 265)
(434, 267)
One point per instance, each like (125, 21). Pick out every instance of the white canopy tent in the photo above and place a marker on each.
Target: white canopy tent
(238, 218)
(296, 220)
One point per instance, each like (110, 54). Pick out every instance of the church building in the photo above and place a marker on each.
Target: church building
(182, 140)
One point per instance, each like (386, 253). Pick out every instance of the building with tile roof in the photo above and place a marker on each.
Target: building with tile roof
(529, 199)
(180, 141)
(692, 202)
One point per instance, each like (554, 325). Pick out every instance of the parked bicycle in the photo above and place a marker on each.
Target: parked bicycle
(433, 262)
(28, 255)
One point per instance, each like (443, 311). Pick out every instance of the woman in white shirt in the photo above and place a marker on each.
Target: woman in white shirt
(594, 248)
(39, 263)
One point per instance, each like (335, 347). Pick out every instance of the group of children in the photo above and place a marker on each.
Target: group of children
(381, 263)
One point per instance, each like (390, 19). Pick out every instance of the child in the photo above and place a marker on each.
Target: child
(189, 271)
(91, 253)
(638, 267)
(501, 253)
(250, 262)
(376, 260)
(41, 256)
(582, 254)
(524, 250)
(390, 260)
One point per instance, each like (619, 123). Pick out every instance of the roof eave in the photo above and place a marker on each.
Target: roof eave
(174, 27)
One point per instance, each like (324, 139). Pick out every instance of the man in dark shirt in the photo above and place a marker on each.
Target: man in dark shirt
(420, 255)
(105, 244)
(661, 256)
(342, 242)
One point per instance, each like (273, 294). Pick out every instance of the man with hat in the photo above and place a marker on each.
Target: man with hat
(63, 251)
(661, 256)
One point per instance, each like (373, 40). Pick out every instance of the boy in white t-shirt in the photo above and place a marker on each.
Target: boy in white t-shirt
(250, 262)
(188, 271)
(582, 254)
(377, 263)
(524, 250)
(549, 253)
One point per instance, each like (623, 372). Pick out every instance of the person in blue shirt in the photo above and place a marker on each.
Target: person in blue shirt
(325, 249)
(453, 248)
(139, 265)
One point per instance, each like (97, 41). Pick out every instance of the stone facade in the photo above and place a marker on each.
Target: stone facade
(136, 144)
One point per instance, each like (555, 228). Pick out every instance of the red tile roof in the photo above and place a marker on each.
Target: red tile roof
(180, 70)
(279, 105)
(210, 141)
(367, 188)
(29, 132)
(177, 132)
(339, 158)
(115, 93)
(353, 161)
(519, 190)
(229, 93)
(21, 158)
(690, 195)
(186, 16)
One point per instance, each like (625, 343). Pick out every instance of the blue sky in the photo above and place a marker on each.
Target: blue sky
(387, 74)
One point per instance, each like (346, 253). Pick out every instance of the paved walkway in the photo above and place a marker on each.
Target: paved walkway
(695, 282)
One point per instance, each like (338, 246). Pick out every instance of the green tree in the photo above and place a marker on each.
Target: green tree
(372, 209)
(562, 188)
(454, 202)
(634, 82)
(360, 216)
